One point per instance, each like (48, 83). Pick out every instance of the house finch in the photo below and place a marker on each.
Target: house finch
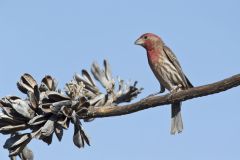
(168, 71)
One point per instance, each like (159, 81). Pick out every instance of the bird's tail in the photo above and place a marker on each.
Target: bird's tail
(176, 124)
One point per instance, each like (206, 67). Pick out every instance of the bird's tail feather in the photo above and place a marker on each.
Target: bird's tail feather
(176, 124)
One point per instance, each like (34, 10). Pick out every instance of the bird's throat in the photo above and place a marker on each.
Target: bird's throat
(153, 56)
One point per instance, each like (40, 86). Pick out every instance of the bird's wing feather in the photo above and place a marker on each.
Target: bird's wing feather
(173, 59)
(189, 83)
(155, 72)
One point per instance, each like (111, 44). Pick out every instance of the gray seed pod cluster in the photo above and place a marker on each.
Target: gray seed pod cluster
(47, 110)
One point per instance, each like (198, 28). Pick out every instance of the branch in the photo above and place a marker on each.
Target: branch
(151, 102)
(48, 110)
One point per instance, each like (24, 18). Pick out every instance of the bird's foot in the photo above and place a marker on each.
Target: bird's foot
(176, 89)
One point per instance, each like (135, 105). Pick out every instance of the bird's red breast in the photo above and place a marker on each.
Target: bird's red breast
(153, 56)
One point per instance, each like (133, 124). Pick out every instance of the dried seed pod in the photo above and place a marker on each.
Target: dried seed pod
(104, 76)
(15, 140)
(55, 96)
(126, 92)
(12, 157)
(58, 130)
(120, 87)
(4, 118)
(16, 150)
(56, 107)
(83, 101)
(26, 154)
(48, 83)
(34, 97)
(100, 97)
(26, 83)
(36, 133)
(63, 121)
(37, 120)
(43, 87)
(16, 143)
(9, 129)
(88, 78)
(22, 108)
(79, 137)
(48, 127)
(82, 106)
(48, 139)
(108, 72)
(45, 108)
(89, 84)
(80, 79)
(6, 107)
(101, 102)
(99, 75)
(66, 111)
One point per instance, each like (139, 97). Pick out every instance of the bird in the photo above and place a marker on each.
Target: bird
(168, 72)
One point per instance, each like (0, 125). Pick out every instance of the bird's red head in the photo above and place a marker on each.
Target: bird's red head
(149, 41)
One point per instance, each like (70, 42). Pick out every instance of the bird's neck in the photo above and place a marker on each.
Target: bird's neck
(154, 55)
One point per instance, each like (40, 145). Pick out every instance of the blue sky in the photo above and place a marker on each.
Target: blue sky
(62, 37)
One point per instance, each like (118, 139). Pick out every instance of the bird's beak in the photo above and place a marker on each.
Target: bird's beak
(139, 42)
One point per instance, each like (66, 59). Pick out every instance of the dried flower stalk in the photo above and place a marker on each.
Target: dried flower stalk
(47, 110)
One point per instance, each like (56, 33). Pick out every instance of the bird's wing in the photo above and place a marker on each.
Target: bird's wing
(155, 72)
(162, 88)
(189, 83)
(173, 59)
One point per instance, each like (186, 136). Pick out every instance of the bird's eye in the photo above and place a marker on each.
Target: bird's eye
(145, 37)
